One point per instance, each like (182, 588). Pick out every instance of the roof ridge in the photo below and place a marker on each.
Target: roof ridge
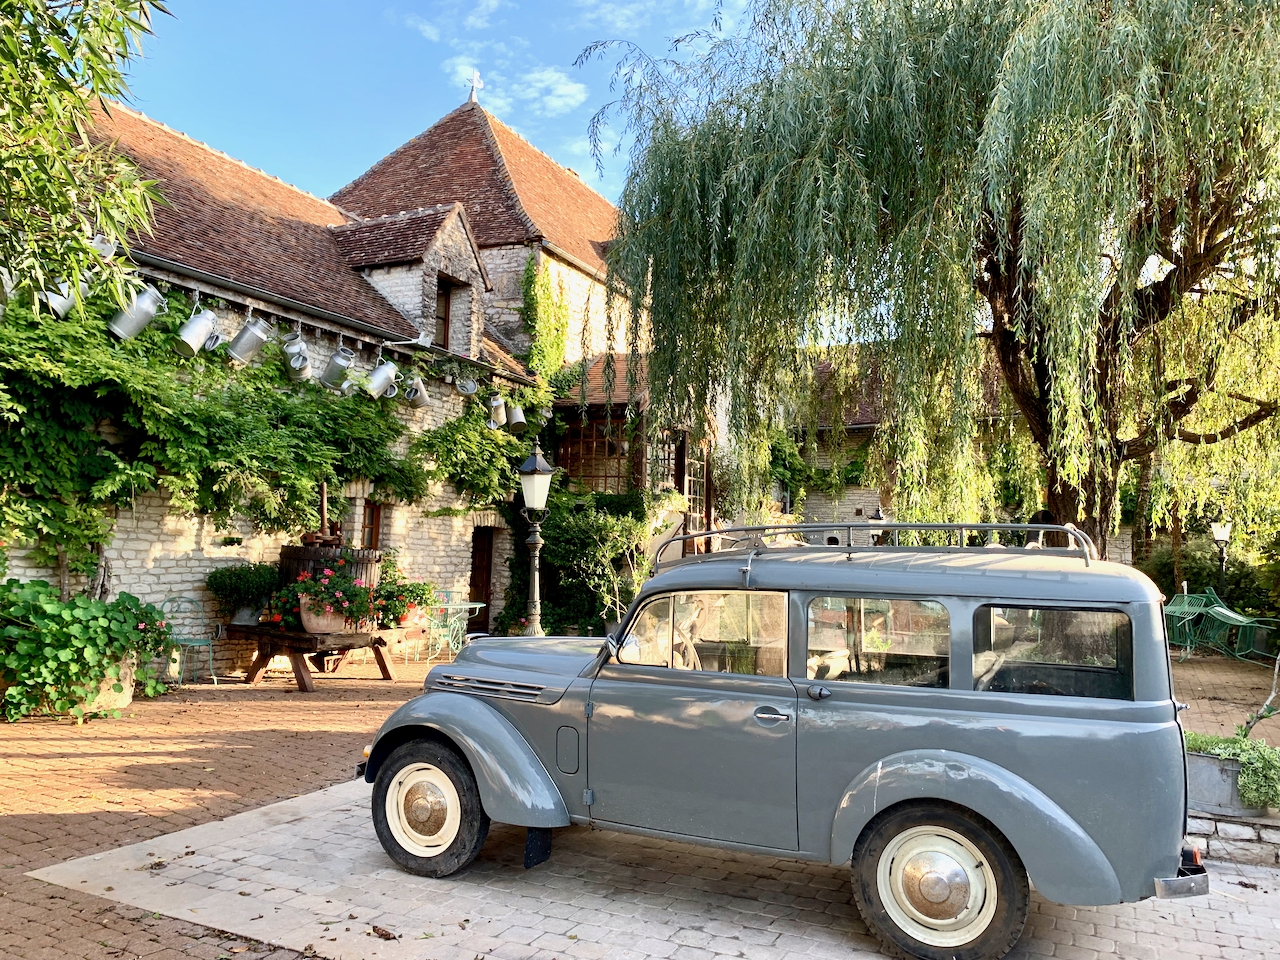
(525, 140)
(508, 182)
(401, 215)
(113, 104)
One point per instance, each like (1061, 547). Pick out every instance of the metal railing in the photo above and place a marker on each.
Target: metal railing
(881, 534)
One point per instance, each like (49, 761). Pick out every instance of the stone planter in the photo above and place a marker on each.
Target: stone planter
(108, 699)
(1213, 786)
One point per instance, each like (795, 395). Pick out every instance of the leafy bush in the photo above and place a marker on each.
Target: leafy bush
(395, 597)
(55, 655)
(243, 585)
(1259, 765)
(1246, 588)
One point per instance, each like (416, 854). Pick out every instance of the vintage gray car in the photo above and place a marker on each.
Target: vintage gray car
(955, 721)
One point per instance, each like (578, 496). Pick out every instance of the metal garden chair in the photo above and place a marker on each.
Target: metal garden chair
(192, 630)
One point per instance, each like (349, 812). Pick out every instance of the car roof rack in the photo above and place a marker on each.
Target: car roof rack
(838, 537)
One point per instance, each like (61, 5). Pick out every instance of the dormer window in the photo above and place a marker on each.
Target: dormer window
(444, 295)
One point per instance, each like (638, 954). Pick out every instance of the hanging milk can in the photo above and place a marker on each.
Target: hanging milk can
(298, 367)
(195, 334)
(336, 370)
(61, 301)
(382, 382)
(515, 419)
(415, 394)
(246, 344)
(133, 319)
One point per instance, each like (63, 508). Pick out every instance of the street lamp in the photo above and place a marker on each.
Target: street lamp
(1221, 534)
(535, 484)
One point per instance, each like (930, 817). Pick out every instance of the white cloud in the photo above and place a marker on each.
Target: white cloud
(550, 92)
(424, 27)
(478, 18)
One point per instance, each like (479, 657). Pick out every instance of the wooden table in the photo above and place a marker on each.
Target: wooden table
(298, 647)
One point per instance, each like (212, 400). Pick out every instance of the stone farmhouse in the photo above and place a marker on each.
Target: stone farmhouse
(424, 251)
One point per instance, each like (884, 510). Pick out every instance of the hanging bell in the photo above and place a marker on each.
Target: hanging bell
(515, 419)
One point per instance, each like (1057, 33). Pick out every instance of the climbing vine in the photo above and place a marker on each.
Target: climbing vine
(546, 317)
(88, 424)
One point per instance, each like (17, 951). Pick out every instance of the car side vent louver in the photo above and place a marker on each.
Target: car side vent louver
(505, 689)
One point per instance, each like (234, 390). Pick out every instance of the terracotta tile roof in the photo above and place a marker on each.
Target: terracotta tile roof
(399, 238)
(494, 353)
(227, 219)
(596, 392)
(513, 193)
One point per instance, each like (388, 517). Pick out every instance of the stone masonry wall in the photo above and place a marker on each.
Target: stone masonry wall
(503, 303)
(402, 287)
(452, 256)
(588, 316)
(157, 553)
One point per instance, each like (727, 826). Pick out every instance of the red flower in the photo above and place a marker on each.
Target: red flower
(277, 618)
(342, 563)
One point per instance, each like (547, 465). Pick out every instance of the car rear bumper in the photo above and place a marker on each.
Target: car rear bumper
(1192, 879)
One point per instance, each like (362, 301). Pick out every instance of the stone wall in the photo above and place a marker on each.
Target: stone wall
(402, 286)
(453, 257)
(505, 301)
(157, 553)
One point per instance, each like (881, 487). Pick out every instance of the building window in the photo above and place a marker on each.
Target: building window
(371, 526)
(598, 455)
(444, 297)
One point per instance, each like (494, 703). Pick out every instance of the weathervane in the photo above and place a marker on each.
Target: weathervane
(476, 85)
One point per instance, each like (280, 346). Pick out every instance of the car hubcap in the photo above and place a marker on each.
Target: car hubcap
(936, 886)
(423, 810)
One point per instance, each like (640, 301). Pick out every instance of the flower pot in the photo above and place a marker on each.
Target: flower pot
(247, 616)
(315, 619)
(1213, 786)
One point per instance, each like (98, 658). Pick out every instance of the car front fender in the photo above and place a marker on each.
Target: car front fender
(514, 785)
(1063, 861)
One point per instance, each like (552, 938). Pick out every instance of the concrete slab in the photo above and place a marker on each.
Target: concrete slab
(308, 874)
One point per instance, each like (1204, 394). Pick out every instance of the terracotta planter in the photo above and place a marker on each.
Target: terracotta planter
(316, 620)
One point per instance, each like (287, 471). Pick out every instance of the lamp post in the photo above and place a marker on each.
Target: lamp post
(1221, 534)
(535, 484)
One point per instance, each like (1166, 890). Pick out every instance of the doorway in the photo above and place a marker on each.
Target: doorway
(481, 578)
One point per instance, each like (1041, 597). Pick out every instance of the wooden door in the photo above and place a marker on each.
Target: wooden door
(481, 578)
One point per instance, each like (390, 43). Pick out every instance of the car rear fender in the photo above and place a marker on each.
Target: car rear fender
(1062, 860)
(514, 785)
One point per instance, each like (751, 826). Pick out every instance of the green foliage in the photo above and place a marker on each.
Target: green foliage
(90, 423)
(1084, 195)
(479, 462)
(395, 597)
(54, 655)
(243, 585)
(593, 561)
(796, 475)
(1248, 585)
(59, 189)
(1259, 765)
(546, 317)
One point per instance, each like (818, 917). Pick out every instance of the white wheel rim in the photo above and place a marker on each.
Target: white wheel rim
(936, 886)
(423, 810)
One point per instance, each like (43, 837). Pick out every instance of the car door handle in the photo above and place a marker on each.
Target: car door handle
(818, 692)
(770, 715)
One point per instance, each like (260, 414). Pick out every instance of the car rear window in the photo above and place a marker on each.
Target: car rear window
(1057, 651)
(878, 640)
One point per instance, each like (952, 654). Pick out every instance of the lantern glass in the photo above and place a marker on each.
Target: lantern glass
(1221, 531)
(535, 481)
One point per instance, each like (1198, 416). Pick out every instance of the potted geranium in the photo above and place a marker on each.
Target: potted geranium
(333, 601)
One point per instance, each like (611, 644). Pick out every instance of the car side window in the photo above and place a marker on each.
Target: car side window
(648, 638)
(875, 640)
(731, 631)
(1056, 651)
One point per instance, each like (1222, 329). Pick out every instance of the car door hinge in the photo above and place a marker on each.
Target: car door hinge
(588, 797)
(591, 708)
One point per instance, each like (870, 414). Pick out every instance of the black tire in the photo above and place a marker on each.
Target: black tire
(419, 774)
(917, 834)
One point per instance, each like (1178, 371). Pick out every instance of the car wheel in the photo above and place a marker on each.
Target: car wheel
(936, 882)
(427, 811)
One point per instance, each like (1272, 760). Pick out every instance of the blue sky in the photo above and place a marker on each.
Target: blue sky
(315, 91)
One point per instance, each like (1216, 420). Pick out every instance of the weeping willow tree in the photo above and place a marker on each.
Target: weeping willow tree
(1080, 196)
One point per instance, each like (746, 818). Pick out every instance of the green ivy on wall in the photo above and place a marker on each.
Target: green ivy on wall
(87, 424)
(546, 317)
(793, 473)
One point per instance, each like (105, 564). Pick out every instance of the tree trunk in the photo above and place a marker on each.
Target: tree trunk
(1090, 506)
(64, 575)
(1142, 510)
(1175, 540)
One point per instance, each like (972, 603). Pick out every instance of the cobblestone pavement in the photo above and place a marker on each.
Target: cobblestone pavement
(209, 752)
(309, 874)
